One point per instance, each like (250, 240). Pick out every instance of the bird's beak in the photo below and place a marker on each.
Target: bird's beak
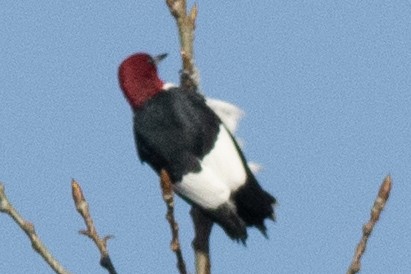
(158, 58)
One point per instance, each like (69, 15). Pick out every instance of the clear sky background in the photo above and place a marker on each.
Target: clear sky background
(326, 88)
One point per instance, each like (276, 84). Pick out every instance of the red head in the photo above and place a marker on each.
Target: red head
(138, 78)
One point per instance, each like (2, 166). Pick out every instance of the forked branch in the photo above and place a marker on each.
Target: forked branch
(91, 232)
(190, 80)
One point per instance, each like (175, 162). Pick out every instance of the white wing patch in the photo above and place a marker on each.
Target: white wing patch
(222, 172)
(229, 114)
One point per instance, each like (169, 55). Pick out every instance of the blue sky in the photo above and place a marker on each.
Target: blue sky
(326, 89)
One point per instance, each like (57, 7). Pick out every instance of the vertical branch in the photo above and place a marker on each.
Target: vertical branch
(186, 26)
(202, 228)
(91, 232)
(166, 188)
(28, 228)
(190, 80)
(379, 204)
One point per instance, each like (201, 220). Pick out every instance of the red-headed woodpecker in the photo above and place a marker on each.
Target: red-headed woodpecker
(176, 131)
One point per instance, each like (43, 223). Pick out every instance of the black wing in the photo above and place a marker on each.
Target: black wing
(174, 130)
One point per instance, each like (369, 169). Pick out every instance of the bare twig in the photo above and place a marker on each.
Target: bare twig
(186, 25)
(28, 228)
(202, 227)
(379, 204)
(91, 232)
(167, 190)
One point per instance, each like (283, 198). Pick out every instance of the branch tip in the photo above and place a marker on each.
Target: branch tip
(193, 14)
(379, 203)
(108, 237)
(77, 192)
(385, 188)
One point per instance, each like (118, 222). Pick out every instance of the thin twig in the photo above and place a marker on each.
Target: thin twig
(91, 232)
(167, 190)
(379, 204)
(7, 208)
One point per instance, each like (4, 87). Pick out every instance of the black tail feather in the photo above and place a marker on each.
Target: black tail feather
(227, 217)
(250, 206)
(254, 204)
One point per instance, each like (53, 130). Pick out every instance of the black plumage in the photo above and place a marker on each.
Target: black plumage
(175, 130)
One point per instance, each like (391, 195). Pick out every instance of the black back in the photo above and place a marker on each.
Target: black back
(174, 130)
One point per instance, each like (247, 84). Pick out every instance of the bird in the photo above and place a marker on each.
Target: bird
(176, 131)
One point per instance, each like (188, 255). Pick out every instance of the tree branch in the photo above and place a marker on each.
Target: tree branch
(167, 190)
(91, 232)
(202, 228)
(186, 26)
(190, 80)
(379, 203)
(28, 228)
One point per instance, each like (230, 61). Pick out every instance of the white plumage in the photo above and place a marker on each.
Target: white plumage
(222, 172)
